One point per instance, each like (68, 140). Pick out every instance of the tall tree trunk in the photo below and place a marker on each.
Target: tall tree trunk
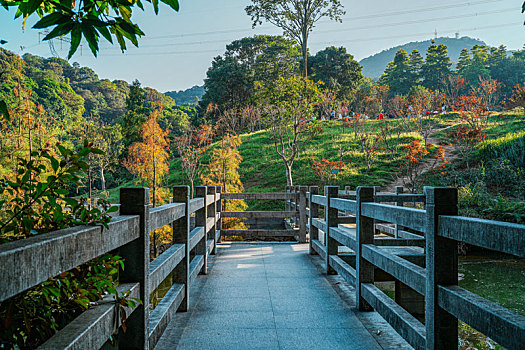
(304, 47)
(289, 180)
(102, 180)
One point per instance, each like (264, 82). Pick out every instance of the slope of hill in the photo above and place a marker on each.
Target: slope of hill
(374, 65)
(187, 97)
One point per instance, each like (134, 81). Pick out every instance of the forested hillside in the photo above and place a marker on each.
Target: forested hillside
(189, 96)
(52, 101)
(374, 65)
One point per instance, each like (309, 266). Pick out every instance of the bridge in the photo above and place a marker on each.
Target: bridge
(320, 292)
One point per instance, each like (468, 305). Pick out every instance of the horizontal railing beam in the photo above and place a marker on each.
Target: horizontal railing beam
(407, 217)
(165, 215)
(274, 195)
(500, 236)
(317, 199)
(346, 205)
(343, 269)
(258, 233)
(164, 312)
(196, 204)
(195, 236)
(410, 274)
(35, 259)
(164, 264)
(92, 328)
(491, 319)
(259, 214)
(401, 320)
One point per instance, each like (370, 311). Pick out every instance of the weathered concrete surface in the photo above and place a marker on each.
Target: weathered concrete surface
(266, 296)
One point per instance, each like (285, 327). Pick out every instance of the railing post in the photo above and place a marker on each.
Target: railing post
(201, 216)
(181, 235)
(399, 190)
(212, 210)
(314, 213)
(364, 235)
(331, 221)
(302, 213)
(219, 210)
(136, 254)
(441, 268)
(287, 205)
(296, 204)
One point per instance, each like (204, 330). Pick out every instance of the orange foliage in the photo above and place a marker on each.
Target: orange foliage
(325, 167)
(414, 165)
(149, 159)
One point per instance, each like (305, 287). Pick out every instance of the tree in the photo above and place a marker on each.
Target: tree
(415, 62)
(518, 97)
(149, 159)
(223, 170)
(295, 17)
(463, 61)
(413, 167)
(398, 75)
(287, 105)
(327, 169)
(230, 80)
(190, 147)
(136, 114)
(86, 18)
(436, 67)
(453, 85)
(337, 69)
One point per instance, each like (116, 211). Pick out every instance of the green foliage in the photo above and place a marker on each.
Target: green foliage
(37, 202)
(295, 18)
(230, 80)
(337, 69)
(188, 97)
(398, 74)
(510, 147)
(436, 67)
(476, 201)
(86, 18)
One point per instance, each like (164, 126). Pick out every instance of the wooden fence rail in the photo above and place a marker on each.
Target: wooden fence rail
(32, 261)
(423, 264)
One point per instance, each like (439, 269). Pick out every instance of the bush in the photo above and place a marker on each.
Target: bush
(511, 147)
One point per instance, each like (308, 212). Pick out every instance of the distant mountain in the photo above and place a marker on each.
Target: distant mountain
(374, 65)
(187, 97)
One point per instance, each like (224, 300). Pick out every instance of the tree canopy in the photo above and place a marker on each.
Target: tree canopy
(295, 17)
(337, 69)
(90, 19)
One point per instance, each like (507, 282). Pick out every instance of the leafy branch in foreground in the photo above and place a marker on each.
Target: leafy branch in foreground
(88, 18)
(34, 202)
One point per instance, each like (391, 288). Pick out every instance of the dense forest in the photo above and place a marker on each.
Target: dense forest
(374, 65)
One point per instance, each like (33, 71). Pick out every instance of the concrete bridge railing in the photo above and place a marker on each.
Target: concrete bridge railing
(29, 262)
(422, 261)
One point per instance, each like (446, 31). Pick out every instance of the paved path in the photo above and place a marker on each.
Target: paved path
(266, 296)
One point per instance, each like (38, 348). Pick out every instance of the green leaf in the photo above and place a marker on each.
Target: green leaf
(2, 42)
(52, 19)
(105, 33)
(92, 38)
(155, 6)
(60, 30)
(4, 111)
(174, 4)
(76, 35)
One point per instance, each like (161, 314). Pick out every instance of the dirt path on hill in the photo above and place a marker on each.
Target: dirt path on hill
(450, 155)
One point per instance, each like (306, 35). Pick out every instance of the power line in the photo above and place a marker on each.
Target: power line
(395, 13)
(351, 28)
(331, 42)
(417, 21)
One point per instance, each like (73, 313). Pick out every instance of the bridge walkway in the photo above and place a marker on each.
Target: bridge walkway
(266, 296)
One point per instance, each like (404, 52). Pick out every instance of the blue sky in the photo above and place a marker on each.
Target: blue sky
(179, 47)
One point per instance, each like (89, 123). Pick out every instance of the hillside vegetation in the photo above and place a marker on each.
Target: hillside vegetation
(373, 66)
